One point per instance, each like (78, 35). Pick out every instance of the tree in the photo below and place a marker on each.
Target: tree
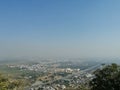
(11, 84)
(3, 83)
(107, 78)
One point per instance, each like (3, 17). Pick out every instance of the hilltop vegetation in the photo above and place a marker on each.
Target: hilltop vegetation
(7, 83)
(107, 78)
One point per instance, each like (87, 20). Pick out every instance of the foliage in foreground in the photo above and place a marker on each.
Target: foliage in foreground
(11, 84)
(107, 78)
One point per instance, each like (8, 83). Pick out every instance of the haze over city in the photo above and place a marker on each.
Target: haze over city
(59, 45)
(64, 28)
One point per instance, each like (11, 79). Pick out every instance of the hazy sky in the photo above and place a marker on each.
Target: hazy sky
(55, 28)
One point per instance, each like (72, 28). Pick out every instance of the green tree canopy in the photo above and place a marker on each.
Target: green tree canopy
(3, 83)
(10, 84)
(107, 78)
